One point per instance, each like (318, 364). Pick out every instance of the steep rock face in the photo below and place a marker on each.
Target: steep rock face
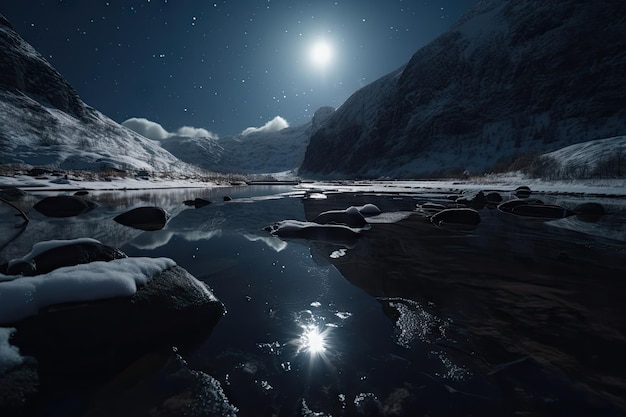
(511, 77)
(25, 70)
(43, 121)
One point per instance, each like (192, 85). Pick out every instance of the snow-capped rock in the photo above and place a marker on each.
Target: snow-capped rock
(509, 78)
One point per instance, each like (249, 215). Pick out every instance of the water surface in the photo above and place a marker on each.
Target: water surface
(516, 316)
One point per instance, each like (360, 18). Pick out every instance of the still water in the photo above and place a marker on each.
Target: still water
(515, 317)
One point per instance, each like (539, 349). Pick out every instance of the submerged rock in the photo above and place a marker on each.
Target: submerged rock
(542, 211)
(144, 218)
(64, 206)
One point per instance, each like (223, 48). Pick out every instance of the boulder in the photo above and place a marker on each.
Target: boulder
(473, 199)
(197, 203)
(144, 218)
(99, 338)
(327, 233)
(589, 212)
(227, 198)
(369, 210)
(82, 252)
(508, 206)
(523, 191)
(493, 198)
(350, 217)
(64, 206)
(81, 192)
(456, 216)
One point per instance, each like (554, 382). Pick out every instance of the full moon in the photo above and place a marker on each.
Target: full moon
(321, 54)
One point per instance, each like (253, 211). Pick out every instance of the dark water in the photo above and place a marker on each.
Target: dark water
(516, 317)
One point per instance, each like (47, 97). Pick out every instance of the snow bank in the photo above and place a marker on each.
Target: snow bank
(21, 297)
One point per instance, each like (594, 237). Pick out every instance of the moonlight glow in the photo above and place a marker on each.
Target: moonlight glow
(321, 54)
(312, 341)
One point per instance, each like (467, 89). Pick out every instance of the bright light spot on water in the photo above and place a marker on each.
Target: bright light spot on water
(312, 341)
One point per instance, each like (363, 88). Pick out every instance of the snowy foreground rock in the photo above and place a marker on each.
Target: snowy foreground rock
(95, 318)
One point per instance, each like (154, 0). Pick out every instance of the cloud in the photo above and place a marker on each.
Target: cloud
(274, 125)
(195, 132)
(153, 130)
(146, 128)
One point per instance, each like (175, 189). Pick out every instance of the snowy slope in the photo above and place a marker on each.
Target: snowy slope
(601, 158)
(259, 152)
(44, 122)
(263, 152)
(512, 77)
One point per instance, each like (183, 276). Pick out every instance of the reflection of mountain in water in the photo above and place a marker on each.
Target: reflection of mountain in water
(545, 299)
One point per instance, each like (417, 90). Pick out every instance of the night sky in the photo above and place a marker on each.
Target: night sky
(226, 65)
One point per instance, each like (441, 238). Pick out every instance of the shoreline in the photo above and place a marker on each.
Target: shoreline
(501, 183)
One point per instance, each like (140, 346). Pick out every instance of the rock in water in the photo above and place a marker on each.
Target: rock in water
(456, 216)
(589, 212)
(328, 233)
(523, 191)
(144, 218)
(100, 338)
(64, 255)
(510, 205)
(493, 198)
(542, 211)
(473, 199)
(197, 203)
(350, 217)
(64, 206)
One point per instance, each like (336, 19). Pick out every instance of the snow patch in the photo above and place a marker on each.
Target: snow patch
(22, 297)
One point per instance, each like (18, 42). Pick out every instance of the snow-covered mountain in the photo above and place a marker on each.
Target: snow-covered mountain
(43, 121)
(511, 77)
(255, 151)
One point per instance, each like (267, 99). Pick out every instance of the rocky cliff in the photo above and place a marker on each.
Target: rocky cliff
(509, 78)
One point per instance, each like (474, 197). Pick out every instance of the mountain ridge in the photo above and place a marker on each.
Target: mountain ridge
(43, 121)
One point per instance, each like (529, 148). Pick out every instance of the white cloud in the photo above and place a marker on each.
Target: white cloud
(146, 128)
(195, 132)
(153, 130)
(274, 125)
